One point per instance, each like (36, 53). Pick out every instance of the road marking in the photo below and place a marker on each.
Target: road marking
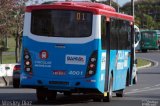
(157, 85)
(139, 91)
(151, 88)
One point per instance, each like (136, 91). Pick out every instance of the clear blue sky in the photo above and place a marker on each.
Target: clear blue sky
(122, 2)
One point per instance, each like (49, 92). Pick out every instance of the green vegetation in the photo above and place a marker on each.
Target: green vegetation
(8, 59)
(11, 44)
(147, 15)
(142, 62)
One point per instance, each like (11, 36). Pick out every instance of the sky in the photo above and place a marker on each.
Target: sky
(120, 2)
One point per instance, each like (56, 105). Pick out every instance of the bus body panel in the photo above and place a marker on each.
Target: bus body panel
(46, 71)
(61, 64)
(119, 66)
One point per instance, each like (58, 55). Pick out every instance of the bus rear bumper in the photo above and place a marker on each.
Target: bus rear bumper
(74, 85)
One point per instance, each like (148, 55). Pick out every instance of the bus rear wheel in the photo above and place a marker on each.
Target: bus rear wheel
(135, 80)
(41, 94)
(109, 93)
(67, 93)
(120, 93)
(51, 95)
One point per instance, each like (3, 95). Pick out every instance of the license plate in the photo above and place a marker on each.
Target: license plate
(59, 72)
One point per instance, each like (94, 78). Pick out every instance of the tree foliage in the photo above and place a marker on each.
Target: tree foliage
(147, 13)
(11, 21)
(5, 19)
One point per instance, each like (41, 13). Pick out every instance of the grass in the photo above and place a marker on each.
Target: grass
(8, 59)
(142, 62)
(11, 44)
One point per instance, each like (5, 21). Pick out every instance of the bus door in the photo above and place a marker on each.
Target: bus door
(132, 56)
(105, 33)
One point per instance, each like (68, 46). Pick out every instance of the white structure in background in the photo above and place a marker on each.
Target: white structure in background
(137, 37)
(33, 2)
(36, 2)
(6, 69)
(137, 47)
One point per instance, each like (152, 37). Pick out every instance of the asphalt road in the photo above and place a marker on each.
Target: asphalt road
(145, 93)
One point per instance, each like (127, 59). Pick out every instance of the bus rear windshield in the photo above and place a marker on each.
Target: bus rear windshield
(61, 23)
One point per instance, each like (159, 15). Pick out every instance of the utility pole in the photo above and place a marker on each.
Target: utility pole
(132, 8)
(110, 2)
(117, 6)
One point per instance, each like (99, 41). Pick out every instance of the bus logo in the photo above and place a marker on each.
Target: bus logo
(43, 54)
(75, 59)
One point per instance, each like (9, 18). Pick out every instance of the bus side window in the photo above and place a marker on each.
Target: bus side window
(124, 35)
(114, 35)
(103, 33)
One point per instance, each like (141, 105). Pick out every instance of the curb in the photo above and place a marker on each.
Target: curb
(152, 63)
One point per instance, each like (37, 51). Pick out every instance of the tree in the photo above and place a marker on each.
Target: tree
(11, 21)
(5, 22)
(147, 13)
(18, 11)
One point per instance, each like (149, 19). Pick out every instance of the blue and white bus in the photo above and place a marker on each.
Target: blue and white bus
(72, 47)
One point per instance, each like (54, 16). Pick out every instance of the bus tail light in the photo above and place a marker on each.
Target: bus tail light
(158, 42)
(27, 62)
(92, 64)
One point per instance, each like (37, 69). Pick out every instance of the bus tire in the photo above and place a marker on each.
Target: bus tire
(41, 94)
(67, 93)
(97, 99)
(120, 93)
(51, 95)
(135, 80)
(109, 93)
(127, 79)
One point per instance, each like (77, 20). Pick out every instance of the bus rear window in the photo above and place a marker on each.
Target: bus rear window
(61, 23)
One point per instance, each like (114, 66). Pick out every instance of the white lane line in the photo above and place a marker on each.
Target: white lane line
(144, 89)
(157, 85)
(139, 91)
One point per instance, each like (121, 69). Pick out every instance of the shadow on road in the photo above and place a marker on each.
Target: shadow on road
(8, 99)
(29, 99)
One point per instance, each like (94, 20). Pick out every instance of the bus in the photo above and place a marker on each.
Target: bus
(149, 40)
(77, 47)
(158, 33)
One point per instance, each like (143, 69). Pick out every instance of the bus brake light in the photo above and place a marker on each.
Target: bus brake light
(91, 68)
(27, 62)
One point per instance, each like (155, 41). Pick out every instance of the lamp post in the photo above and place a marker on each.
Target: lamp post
(110, 2)
(132, 8)
(117, 6)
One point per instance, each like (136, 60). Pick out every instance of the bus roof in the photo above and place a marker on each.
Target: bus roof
(96, 8)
